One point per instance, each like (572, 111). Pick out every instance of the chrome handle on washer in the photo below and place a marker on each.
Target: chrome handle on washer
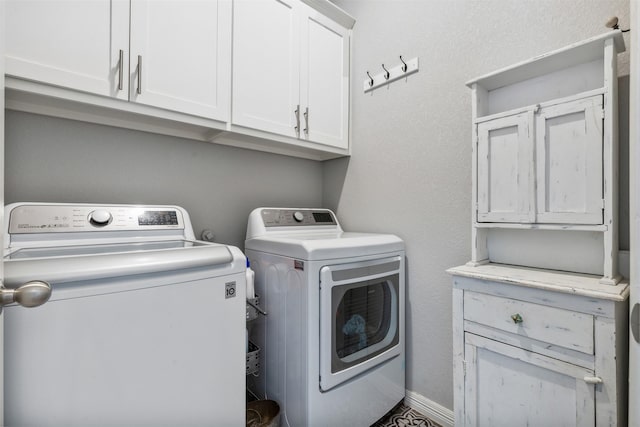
(139, 90)
(120, 69)
(31, 294)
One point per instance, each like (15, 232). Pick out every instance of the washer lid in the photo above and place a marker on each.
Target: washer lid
(89, 262)
(98, 249)
(326, 245)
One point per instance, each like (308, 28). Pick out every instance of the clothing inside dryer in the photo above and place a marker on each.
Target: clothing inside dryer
(365, 321)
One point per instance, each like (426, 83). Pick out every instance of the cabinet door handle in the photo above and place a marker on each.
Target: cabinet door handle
(297, 113)
(306, 121)
(593, 380)
(139, 90)
(120, 69)
(516, 318)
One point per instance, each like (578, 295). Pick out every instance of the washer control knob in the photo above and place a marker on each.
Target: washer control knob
(298, 216)
(100, 218)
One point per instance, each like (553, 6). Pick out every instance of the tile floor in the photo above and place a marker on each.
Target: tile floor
(400, 416)
(403, 416)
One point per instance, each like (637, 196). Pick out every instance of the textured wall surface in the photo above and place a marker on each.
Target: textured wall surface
(56, 160)
(410, 172)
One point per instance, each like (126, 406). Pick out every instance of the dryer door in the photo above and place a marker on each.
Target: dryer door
(360, 312)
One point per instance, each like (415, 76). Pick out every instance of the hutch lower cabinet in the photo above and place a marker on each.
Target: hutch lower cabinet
(538, 347)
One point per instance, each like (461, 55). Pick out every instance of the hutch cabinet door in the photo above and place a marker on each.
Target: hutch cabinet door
(509, 386)
(324, 80)
(80, 45)
(181, 56)
(569, 162)
(266, 66)
(505, 169)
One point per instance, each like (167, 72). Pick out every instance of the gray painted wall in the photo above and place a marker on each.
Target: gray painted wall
(410, 172)
(56, 160)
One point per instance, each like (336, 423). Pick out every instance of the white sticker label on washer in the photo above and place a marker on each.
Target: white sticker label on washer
(230, 290)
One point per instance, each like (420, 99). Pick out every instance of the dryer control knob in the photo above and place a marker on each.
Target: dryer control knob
(298, 216)
(100, 218)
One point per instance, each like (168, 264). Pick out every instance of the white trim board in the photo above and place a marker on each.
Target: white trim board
(429, 408)
(623, 263)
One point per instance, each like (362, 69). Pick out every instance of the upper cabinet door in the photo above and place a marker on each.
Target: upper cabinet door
(324, 80)
(266, 58)
(569, 162)
(74, 43)
(505, 169)
(180, 56)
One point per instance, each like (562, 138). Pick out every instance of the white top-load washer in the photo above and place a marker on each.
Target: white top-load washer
(145, 325)
(333, 338)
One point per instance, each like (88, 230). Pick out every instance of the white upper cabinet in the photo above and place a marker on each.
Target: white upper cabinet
(266, 63)
(267, 75)
(569, 146)
(175, 55)
(505, 159)
(83, 45)
(561, 183)
(180, 56)
(324, 81)
(291, 71)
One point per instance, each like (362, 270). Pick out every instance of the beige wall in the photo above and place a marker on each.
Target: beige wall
(410, 172)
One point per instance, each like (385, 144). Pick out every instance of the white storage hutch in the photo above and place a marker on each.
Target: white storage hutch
(540, 311)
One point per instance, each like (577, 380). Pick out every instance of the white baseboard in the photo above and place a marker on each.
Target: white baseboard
(429, 408)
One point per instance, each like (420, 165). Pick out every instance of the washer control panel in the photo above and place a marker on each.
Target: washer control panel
(297, 217)
(32, 218)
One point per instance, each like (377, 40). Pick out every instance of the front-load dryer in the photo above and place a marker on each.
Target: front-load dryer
(333, 338)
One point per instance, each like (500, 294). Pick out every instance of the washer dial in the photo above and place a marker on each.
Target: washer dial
(100, 217)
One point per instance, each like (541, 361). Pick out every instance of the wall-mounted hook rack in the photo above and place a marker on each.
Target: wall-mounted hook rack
(391, 74)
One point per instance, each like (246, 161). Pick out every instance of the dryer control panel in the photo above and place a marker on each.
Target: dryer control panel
(297, 217)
